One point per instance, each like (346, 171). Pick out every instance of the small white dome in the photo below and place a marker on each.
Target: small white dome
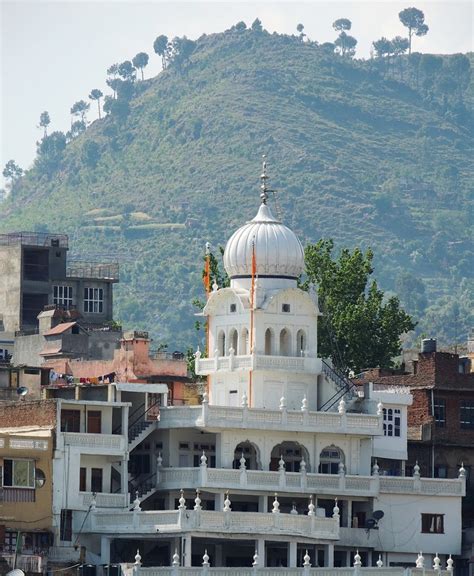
(278, 251)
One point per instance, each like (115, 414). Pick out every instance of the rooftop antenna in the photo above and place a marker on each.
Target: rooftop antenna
(265, 190)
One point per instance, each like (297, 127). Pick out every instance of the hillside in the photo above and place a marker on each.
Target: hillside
(354, 154)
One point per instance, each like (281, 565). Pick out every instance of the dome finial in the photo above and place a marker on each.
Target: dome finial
(264, 178)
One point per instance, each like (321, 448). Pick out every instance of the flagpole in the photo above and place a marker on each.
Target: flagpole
(207, 287)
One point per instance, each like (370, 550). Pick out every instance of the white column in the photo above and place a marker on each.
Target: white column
(219, 498)
(329, 555)
(124, 476)
(292, 559)
(262, 504)
(349, 514)
(187, 542)
(105, 550)
(260, 547)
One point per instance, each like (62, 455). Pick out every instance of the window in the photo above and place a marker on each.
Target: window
(285, 308)
(82, 479)
(96, 480)
(432, 523)
(93, 300)
(440, 412)
(440, 471)
(467, 414)
(62, 295)
(70, 421)
(391, 421)
(19, 473)
(329, 460)
(233, 307)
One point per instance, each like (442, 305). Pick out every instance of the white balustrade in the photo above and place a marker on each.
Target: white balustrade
(213, 571)
(296, 482)
(260, 419)
(309, 365)
(94, 442)
(105, 500)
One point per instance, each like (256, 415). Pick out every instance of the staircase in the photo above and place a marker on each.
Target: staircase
(138, 431)
(344, 386)
(145, 487)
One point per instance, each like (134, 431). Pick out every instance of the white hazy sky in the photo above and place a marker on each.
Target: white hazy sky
(53, 53)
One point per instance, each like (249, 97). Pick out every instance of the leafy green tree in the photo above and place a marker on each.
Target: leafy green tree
(430, 66)
(240, 26)
(113, 83)
(328, 47)
(399, 45)
(360, 328)
(257, 25)
(77, 128)
(12, 171)
(414, 20)
(127, 71)
(140, 61)
(460, 68)
(96, 95)
(345, 44)
(159, 46)
(44, 122)
(342, 24)
(90, 153)
(113, 70)
(180, 51)
(125, 90)
(50, 152)
(80, 109)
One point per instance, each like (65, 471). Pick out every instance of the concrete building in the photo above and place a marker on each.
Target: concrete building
(34, 272)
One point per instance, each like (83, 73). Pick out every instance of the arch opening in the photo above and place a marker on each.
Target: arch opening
(251, 454)
(221, 343)
(244, 342)
(292, 453)
(285, 342)
(233, 340)
(301, 344)
(329, 460)
(268, 342)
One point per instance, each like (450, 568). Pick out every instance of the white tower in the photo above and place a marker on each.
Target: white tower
(263, 328)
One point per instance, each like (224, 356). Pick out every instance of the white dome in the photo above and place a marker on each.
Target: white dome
(278, 251)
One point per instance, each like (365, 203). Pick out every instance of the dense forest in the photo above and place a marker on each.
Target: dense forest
(371, 152)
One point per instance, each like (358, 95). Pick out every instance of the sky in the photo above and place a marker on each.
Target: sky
(53, 53)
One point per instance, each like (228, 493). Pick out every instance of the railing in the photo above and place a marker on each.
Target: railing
(344, 385)
(94, 441)
(303, 571)
(256, 418)
(26, 562)
(79, 269)
(105, 500)
(209, 521)
(299, 364)
(303, 482)
(69, 554)
(34, 239)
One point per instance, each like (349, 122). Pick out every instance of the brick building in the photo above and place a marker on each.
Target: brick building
(441, 418)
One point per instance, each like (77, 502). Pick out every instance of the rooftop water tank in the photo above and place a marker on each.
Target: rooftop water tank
(428, 345)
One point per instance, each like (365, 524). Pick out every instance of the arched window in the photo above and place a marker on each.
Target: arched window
(301, 343)
(268, 342)
(251, 454)
(292, 454)
(329, 460)
(285, 343)
(221, 343)
(233, 340)
(244, 342)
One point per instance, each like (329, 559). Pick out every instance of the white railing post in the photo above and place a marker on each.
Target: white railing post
(227, 510)
(306, 564)
(203, 469)
(243, 471)
(416, 478)
(281, 472)
(205, 564)
(303, 477)
(231, 358)
(205, 408)
(197, 360)
(283, 410)
(137, 564)
(375, 480)
(342, 477)
(181, 509)
(175, 563)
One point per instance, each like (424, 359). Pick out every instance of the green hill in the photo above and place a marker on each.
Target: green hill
(369, 153)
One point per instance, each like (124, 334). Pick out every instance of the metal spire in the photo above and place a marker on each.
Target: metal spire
(264, 178)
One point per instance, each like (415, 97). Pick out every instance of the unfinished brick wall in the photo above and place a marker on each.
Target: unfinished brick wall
(28, 413)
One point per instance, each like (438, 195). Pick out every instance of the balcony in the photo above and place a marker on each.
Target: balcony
(94, 443)
(27, 562)
(303, 571)
(295, 364)
(93, 270)
(34, 239)
(104, 500)
(176, 521)
(210, 416)
(339, 485)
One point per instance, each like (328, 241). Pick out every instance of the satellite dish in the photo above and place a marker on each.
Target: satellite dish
(22, 391)
(371, 524)
(378, 514)
(15, 572)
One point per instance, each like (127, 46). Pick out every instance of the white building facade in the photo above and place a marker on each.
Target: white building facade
(279, 462)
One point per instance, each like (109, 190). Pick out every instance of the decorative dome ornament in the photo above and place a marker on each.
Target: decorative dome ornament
(278, 251)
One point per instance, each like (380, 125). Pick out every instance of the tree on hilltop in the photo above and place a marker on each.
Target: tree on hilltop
(50, 152)
(140, 61)
(414, 20)
(345, 44)
(96, 95)
(127, 71)
(44, 122)
(342, 24)
(382, 47)
(159, 46)
(240, 26)
(80, 108)
(300, 29)
(360, 328)
(257, 25)
(12, 172)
